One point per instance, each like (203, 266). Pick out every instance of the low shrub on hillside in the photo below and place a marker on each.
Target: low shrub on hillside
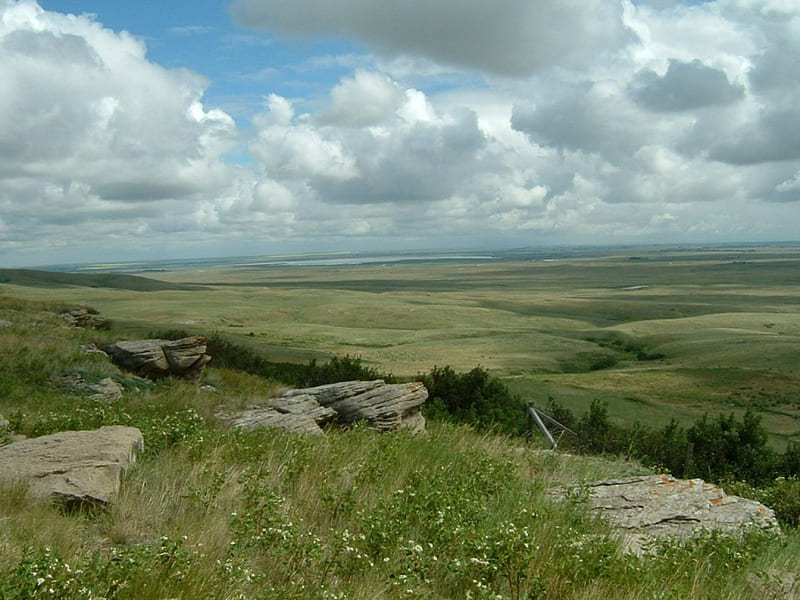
(230, 355)
(475, 397)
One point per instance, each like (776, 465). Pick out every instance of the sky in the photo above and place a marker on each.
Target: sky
(187, 129)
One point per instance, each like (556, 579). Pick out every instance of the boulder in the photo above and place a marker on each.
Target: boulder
(775, 584)
(105, 389)
(74, 467)
(82, 317)
(662, 506)
(184, 358)
(385, 407)
(301, 414)
(91, 348)
(5, 323)
(4, 424)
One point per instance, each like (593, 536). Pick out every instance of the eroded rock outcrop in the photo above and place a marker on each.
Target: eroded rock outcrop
(184, 358)
(74, 467)
(299, 415)
(83, 317)
(105, 389)
(385, 407)
(662, 506)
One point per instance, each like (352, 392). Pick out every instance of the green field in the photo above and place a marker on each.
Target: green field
(659, 333)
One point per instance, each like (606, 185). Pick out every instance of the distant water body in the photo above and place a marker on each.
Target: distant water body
(360, 260)
(262, 262)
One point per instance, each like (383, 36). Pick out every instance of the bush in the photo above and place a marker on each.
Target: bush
(475, 397)
(597, 434)
(783, 496)
(729, 449)
(719, 449)
(346, 368)
(229, 355)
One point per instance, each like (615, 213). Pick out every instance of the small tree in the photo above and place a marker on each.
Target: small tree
(597, 434)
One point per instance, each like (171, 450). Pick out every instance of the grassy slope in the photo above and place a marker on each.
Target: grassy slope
(209, 513)
(48, 279)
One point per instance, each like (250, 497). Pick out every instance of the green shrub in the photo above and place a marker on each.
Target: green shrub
(725, 448)
(783, 496)
(342, 368)
(789, 464)
(230, 355)
(120, 573)
(719, 449)
(475, 397)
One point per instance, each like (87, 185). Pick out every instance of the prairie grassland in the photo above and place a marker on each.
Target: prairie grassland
(658, 333)
(211, 513)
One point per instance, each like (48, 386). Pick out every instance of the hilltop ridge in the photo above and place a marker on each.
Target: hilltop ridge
(38, 278)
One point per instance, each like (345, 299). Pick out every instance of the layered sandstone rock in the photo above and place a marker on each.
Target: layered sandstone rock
(184, 358)
(73, 466)
(643, 508)
(83, 317)
(385, 407)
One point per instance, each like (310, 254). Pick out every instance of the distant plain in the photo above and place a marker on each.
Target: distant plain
(657, 332)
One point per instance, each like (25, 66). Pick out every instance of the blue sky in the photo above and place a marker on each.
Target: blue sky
(131, 131)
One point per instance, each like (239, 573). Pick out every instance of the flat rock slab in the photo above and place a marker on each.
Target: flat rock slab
(267, 416)
(74, 467)
(663, 506)
(155, 358)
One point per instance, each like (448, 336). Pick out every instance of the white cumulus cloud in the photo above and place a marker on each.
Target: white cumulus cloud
(91, 132)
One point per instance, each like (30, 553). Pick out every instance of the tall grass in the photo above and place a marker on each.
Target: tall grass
(267, 514)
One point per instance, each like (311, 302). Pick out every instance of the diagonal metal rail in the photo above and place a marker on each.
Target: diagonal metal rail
(538, 416)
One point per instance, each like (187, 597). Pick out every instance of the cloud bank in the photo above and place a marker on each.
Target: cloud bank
(512, 37)
(585, 122)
